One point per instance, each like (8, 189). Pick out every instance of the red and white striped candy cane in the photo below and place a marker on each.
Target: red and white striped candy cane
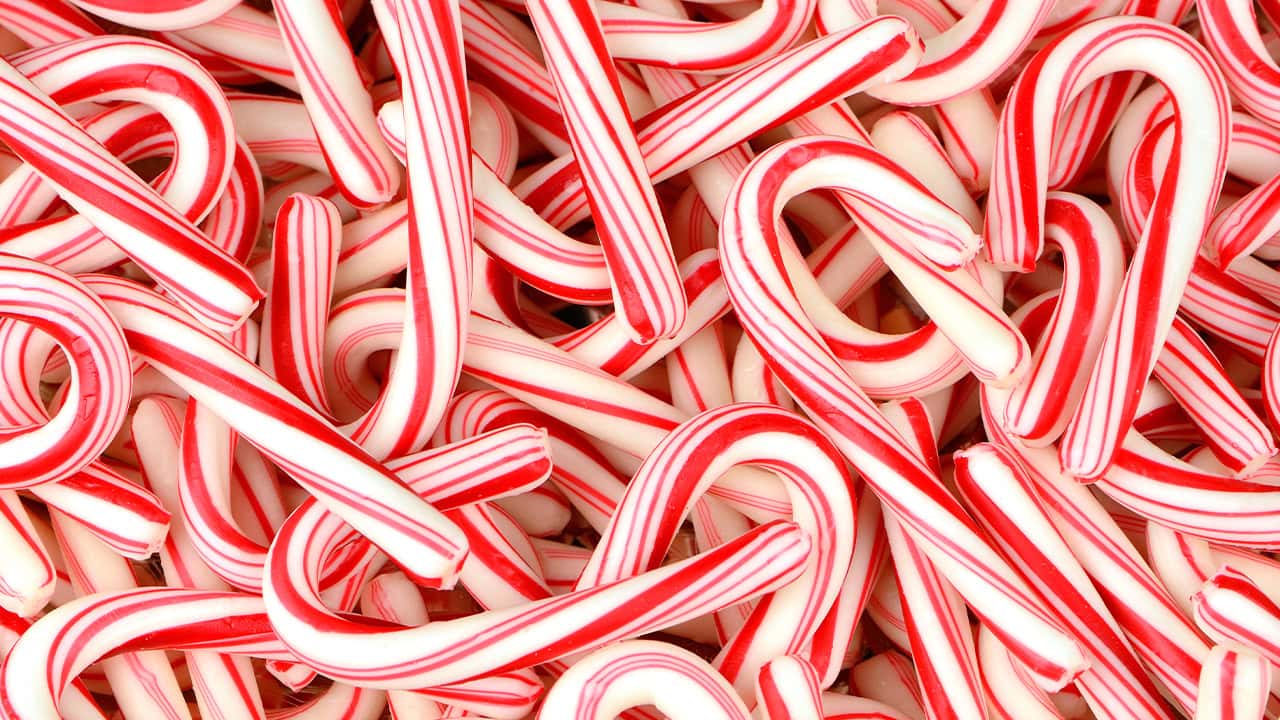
(609, 681)
(498, 59)
(937, 623)
(144, 682)
(1231, 608)
(1093, 264)
(41, 449)
(1194, 375)
(646, 286)
(1232, 34)
(787, 688)
(266, 414)
(59, 646)
(702, 124)
(966, 57)
(426, 367)
(637, 537)
(1183, 497)
(1162, 636)
(304, 261)
(1234, 685)
(1170, 239)
(771, 313)
(217, 289)
(338, 102)
(159, 15)
(1007, 505)
(442, 652)
(590, 483)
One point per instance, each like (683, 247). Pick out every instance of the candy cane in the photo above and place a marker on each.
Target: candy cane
(1232, 35)
(821, 500)
(64, 642)
(262, 411)
(1006, 504)
(1188, 499)
(1163, 263)
(304, 259)
(937, 624)
(239, 560)
(143, 682)
(438, 152)
(1233, 684)
(101, 378)
(966, 57)
(646, 287)
(603, 684)
(224, 686)
(1161, 635)
(1010, 693)
(339, 105)
(1195, 377)
(121, 205)
(1041, 405)
(846, 413)
(46, 23)
(1232, 609)
(723, 114)
(760, 562)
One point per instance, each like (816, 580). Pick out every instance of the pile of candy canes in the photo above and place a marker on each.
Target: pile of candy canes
(575, 359)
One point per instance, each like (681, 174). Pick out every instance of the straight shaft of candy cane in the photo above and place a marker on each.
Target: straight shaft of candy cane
(937, 621)
(1189, 499)
(304, 260)
(1195, 377)
(63, 643)
(248, 38)
(387, 512)
(141, 682)
(1004, 501)
(439, 652)
(426, 46)
(339, 105)
(1161, 635)
(646, 287)
(46, 23)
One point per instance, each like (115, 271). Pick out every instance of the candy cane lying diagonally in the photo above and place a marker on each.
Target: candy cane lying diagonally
(771, 314)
